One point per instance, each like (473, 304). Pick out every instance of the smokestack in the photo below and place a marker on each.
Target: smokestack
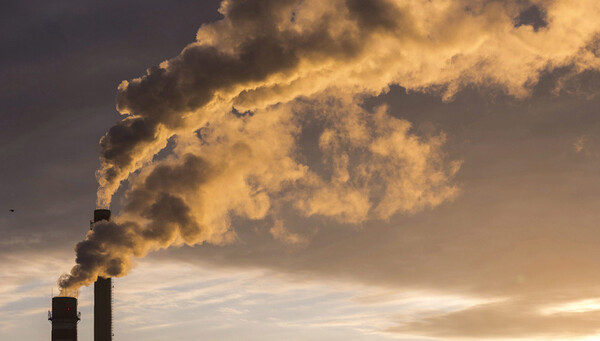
(64, 318)
(102, 296)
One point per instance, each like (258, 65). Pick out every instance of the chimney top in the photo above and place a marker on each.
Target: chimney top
(101, 214)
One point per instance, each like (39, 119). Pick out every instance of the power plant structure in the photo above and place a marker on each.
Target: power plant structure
(102, 296)
(64, 318)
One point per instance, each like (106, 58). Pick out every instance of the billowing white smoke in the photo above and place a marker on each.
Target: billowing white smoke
(282, 64)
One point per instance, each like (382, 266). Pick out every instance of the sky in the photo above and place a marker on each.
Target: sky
(303, 170)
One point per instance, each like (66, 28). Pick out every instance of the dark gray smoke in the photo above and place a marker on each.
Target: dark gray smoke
(285, 63)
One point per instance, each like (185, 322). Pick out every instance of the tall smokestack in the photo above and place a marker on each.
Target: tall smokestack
(64, 318)
(102, 296)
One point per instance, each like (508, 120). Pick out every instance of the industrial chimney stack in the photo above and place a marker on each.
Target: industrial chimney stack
(102, 296)
(64, 318)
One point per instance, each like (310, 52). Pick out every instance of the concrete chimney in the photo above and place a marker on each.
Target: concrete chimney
(64, 318)
(102, 296)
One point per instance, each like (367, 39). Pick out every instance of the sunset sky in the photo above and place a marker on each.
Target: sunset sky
(303, 169)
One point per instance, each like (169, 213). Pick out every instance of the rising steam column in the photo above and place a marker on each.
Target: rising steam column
(102, 296)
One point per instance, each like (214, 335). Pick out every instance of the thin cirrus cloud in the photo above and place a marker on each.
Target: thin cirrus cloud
(217, 300)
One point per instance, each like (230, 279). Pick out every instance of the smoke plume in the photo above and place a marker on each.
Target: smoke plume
(236, 102)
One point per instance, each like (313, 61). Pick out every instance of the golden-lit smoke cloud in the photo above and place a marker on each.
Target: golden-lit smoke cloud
(267, 52)
(249, 167)
(283, 63)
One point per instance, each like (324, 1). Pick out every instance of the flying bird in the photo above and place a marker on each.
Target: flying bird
(12, 210)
